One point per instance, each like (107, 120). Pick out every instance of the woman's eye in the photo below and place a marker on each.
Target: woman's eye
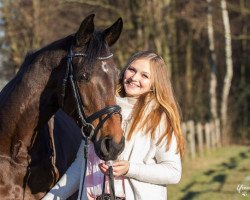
(145, 76)
(131, 69)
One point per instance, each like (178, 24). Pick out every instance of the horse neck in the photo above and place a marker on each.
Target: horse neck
(21, 112)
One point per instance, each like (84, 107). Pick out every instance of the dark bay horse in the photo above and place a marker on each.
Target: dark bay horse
(76, 74)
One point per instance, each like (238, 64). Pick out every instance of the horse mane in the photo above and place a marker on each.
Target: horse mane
(94, 49)
(26, 65)
(6, 91)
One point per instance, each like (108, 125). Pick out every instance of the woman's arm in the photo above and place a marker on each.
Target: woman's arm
(167, 169)
(69, 182)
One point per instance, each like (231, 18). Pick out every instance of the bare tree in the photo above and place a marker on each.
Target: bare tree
(243, 71)
(229, 72)
(213, 78)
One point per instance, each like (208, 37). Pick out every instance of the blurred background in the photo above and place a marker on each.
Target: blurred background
(206, 45)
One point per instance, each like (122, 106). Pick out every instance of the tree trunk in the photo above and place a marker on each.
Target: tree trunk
(189, 77)
(138, 10)
(172, 38)
(229, 73)
(243, 84)
(212, 61)
(36, 40)
(167, 18)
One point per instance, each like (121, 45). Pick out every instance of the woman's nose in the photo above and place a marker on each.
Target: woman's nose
(135, 77)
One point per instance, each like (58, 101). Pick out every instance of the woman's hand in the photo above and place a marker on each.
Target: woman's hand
(120, 168)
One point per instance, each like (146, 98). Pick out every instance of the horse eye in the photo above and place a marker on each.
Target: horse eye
(84, 77)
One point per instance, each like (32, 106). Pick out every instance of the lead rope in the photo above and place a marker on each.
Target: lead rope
(111, 184)
(84, 167)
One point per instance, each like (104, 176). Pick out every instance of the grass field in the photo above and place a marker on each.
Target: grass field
(215, 176)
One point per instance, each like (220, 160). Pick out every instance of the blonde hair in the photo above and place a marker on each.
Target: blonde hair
(162, 95)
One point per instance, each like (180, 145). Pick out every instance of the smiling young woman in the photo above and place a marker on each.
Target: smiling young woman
(151, 123)
(145, 77)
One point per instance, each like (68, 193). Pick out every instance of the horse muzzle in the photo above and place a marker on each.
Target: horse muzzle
(107, 149)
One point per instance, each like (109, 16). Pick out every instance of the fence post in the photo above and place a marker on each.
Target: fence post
(218, 132)
(184, 131)
(213, 134)
(191, 138)
(207, 136)
(200, 138)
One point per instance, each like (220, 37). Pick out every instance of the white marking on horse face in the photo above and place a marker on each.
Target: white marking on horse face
(105, 67)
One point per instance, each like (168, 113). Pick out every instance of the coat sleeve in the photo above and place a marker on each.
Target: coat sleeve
(69, 182)
(166, 170)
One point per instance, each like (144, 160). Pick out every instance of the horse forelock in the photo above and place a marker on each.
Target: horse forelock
(96, 47)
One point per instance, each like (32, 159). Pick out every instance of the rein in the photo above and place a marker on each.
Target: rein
(87, 129)
(111, 184)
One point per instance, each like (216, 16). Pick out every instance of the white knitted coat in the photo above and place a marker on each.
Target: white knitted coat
(152, 167)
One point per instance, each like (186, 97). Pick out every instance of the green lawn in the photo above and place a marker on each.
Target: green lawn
(215, 176)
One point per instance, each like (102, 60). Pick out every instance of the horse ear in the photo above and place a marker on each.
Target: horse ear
(112, 33)
(85, 31)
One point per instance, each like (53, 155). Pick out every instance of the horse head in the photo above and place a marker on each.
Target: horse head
(87, 87)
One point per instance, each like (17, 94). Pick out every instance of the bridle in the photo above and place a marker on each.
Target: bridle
(83, 120)
(87, 129)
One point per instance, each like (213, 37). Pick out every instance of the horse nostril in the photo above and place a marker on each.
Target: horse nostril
(108, 149)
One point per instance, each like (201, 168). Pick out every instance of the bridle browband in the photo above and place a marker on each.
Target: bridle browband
(87, 129)
(98, 58)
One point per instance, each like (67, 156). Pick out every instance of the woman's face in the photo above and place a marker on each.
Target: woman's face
(137, 78)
